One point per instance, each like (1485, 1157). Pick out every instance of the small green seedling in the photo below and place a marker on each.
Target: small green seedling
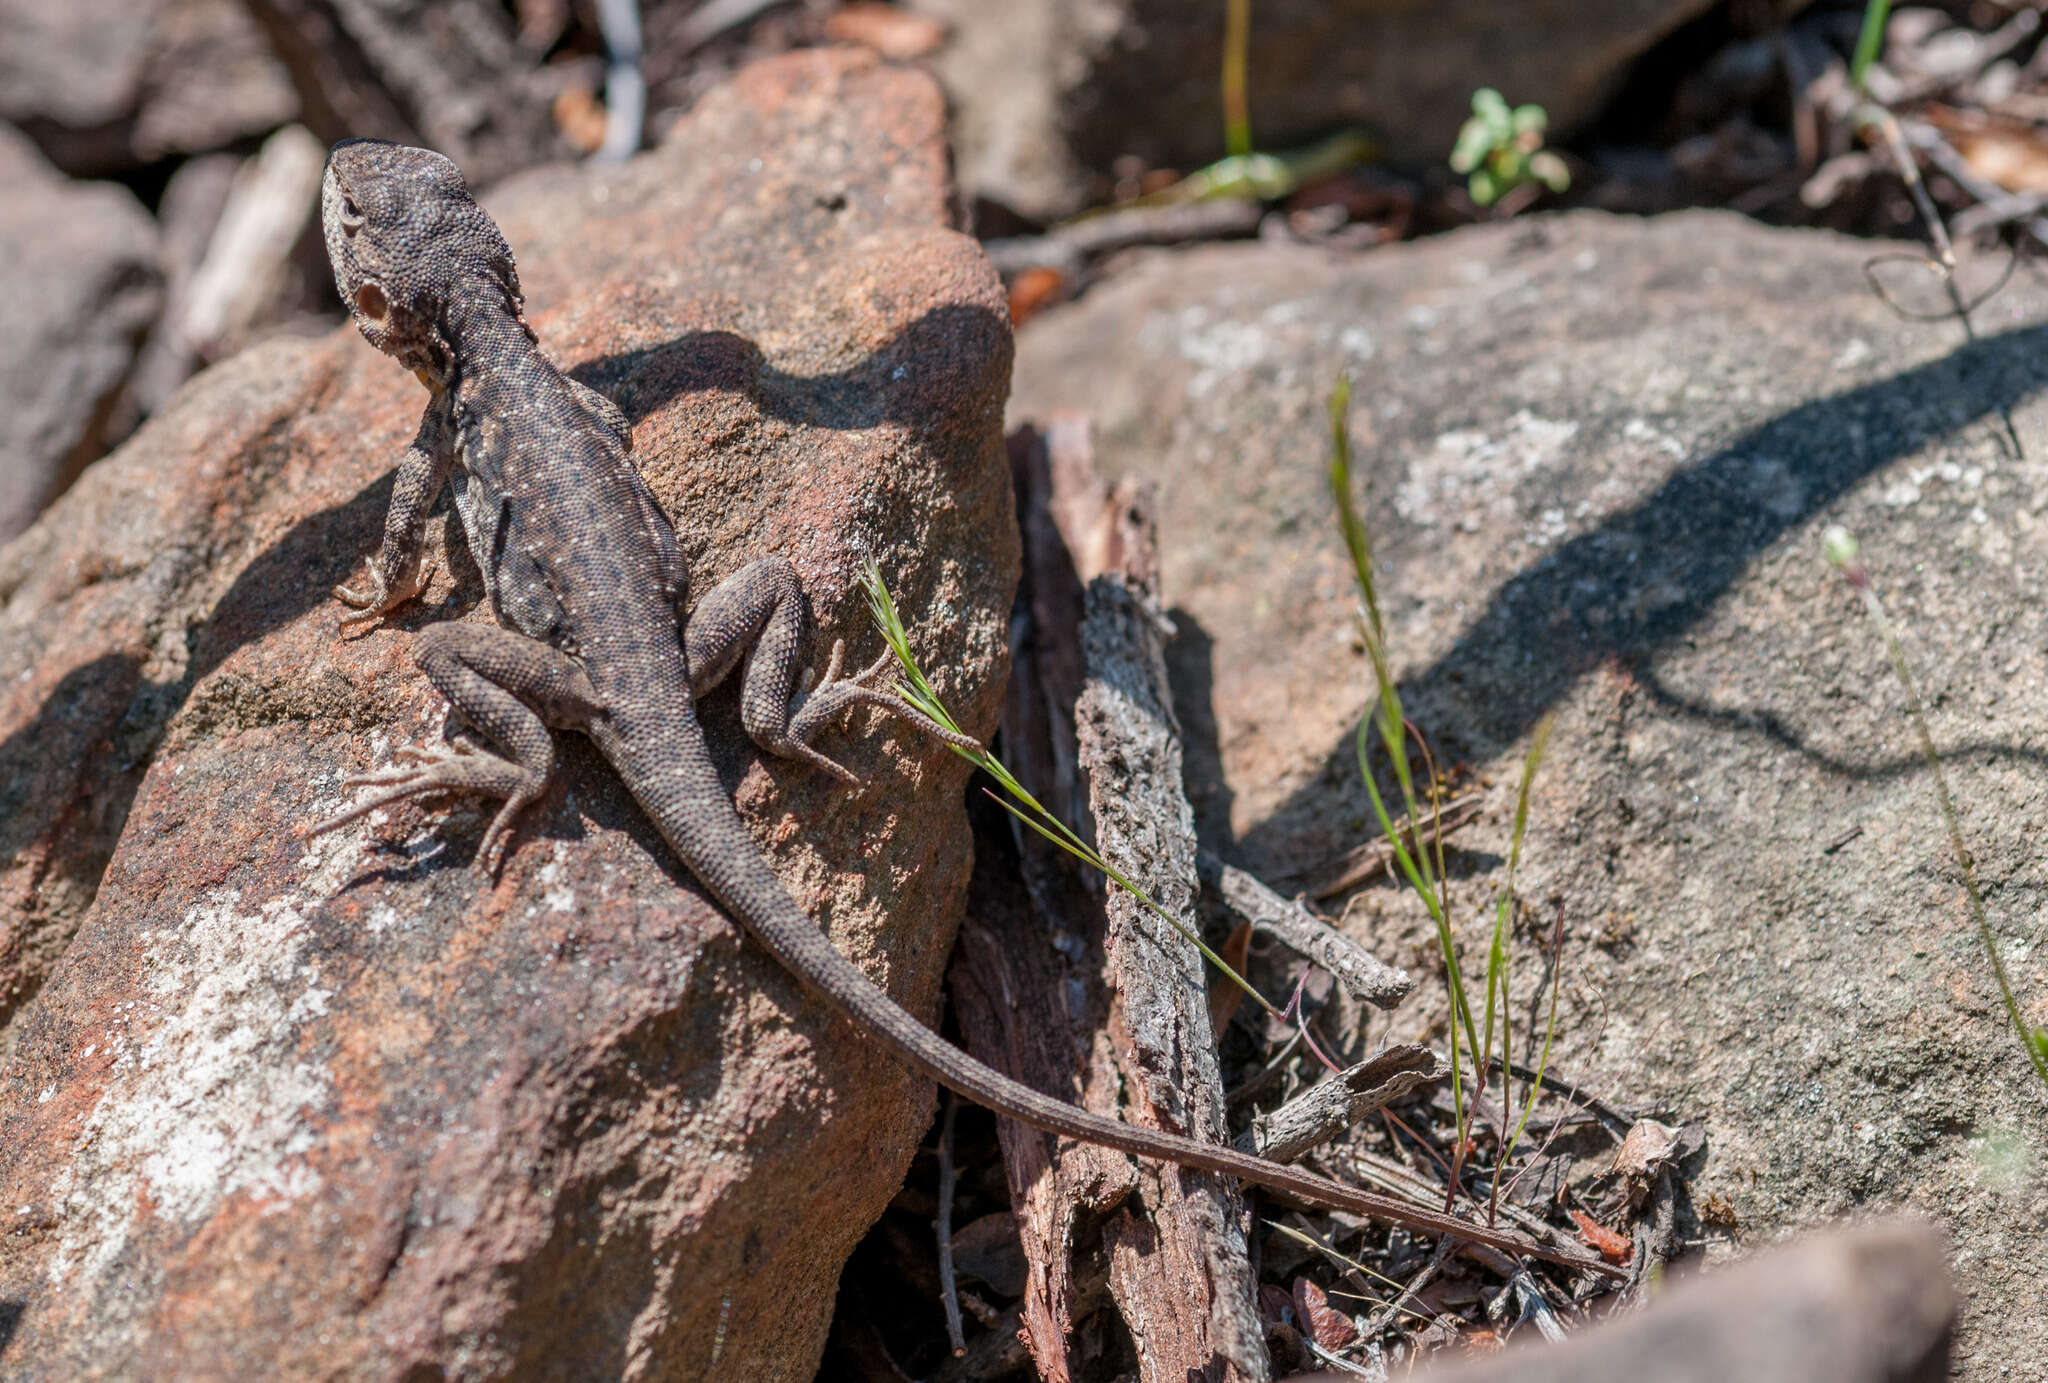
(1502, 150)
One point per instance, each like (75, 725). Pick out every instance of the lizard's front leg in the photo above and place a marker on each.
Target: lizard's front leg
(758, 614)
(397, 573)
(511, 688)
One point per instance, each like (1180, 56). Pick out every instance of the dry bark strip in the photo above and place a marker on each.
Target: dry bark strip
(1027, 984)
(1181, 1277)
(1026, 1008)
(1376, 856)
(1068, 248)
(1360, 972)
(1332, 1106)
(1033, 983)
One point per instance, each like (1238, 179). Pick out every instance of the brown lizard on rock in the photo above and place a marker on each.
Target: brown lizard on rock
(583, 571)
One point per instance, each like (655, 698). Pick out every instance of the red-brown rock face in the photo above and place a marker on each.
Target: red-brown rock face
(343, 1108)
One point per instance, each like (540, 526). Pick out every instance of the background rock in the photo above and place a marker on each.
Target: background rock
(453, 75)
(79, 272)
(108, 86)
(293, 1109)
(1871, 1304)
(1046, 92)
(1598, 455)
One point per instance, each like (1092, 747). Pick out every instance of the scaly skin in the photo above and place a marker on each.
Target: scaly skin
(583, 571)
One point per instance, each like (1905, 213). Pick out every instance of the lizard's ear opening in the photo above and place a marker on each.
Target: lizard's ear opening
(372, 304)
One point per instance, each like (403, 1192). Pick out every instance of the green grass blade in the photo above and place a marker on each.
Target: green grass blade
(1868, 41)
(917, 690)
(1841, 550)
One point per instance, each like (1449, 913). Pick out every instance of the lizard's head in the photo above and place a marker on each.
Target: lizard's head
(406, 239)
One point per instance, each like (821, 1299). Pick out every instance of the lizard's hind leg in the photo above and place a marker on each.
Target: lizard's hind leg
(758, 614)
(511, 688)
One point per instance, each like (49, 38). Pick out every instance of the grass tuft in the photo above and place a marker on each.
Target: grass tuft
(1424, 870)
(916, 689)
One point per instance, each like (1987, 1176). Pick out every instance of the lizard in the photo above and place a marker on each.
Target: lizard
(583, 571)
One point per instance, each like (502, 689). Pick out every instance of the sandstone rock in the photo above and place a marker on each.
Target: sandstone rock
(107, 86)
(339, 1108)
(78, 269)
(1597, 457)
(1050, 90)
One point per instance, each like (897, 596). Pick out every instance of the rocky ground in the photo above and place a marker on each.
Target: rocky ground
(276, 1110)
(341, 1107)
(1598, 456)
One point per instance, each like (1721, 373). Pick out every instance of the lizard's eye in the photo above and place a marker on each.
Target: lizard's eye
(351, 214)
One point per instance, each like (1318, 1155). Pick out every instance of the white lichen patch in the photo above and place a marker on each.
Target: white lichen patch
(209, 1101)
(555, 895)
(333, 857)
(1468, 472)
(1908, 488)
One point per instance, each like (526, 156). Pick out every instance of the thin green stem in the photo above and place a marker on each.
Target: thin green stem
(1842, 552)
(917, 690)
(1237, 42)
(1868, 41)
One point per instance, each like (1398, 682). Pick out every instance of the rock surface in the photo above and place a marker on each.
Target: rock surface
(1871, 1304)
(79, 273)
(457, 76)
(1597, 458)
(288, 1109)
(1046, 92)
(108, 86)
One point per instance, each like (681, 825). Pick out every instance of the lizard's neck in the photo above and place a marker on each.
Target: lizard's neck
(484, 339)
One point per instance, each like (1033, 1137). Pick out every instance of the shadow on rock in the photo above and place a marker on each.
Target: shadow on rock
(907, 380)
(1640, 581)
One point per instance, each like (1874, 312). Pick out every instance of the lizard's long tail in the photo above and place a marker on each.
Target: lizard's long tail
(672, 776)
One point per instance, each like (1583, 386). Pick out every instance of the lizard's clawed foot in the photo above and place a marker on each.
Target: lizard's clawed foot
(419, 771)
(373, 598)
(834, 694)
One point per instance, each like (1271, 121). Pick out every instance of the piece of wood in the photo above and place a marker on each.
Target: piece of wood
(1068, 247)
(1181, 1275)
(1330, 1107)
(1029, 1002)
(1027, 979)
(1291, 923)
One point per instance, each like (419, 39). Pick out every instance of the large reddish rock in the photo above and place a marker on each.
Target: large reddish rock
(342, 1108)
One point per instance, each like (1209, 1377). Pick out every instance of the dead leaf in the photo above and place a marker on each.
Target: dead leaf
(1646, 1150)
(1034, 290)
(1615, 1248)
(896, 34)
(1225, 997)
(1331, 1328)
(1484, 1341)
(1716, 1209)
(579, 115)
(2011, 153)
